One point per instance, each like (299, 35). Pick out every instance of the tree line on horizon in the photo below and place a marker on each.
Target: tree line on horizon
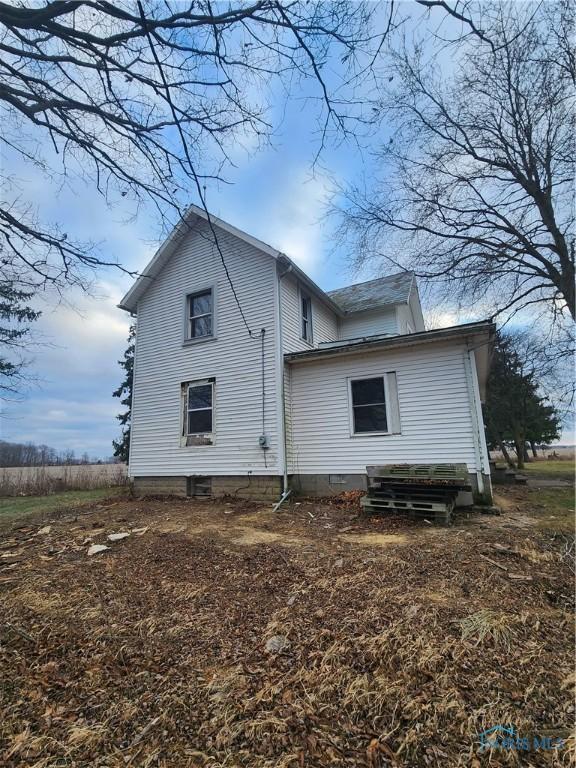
(32, 455)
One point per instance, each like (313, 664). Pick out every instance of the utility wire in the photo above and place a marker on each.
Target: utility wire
(192, 169)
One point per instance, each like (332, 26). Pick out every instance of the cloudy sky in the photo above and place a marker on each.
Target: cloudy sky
(275, 193)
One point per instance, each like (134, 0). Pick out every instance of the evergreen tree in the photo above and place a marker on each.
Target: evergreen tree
(15, 317)
(124, 392)
(514, 412)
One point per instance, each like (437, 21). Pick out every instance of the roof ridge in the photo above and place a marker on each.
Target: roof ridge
(374, 279)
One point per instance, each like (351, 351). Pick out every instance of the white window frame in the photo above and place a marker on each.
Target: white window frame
(305, 296)
(188, 339)
(185, 387)
(351, 379)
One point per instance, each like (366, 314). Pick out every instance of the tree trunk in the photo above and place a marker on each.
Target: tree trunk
(520, 448)
(534, 451)
(505, 453)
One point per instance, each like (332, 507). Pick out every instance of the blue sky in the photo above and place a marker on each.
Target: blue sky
(275, 193)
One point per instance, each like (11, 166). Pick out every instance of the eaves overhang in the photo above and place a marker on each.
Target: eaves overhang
(478, 333)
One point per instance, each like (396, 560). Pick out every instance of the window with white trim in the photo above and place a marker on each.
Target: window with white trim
(306, 310)
(200, 314)
(198, 425)
(368, 401)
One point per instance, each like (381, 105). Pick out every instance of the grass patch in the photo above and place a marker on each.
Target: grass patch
(561, 470)
(13, 508)
(557, 508)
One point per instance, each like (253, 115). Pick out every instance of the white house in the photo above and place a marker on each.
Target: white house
(250, 379)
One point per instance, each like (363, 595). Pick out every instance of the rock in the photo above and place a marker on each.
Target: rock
(339, 563)
(95, 549)
(117, 536)
(46, 529)
(140, 531)
(291, 600)
(277, 644)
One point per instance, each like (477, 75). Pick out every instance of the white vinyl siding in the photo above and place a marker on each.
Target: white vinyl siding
(435, 421)
(233, 360)
(324, 320)
(369, 323)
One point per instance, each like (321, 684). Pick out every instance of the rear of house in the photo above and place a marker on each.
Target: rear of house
(249, 379)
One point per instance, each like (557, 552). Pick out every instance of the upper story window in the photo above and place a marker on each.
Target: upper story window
(306, 309)
(200, 314)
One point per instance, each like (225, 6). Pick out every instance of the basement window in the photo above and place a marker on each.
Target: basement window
(368, 401)
(199, 487)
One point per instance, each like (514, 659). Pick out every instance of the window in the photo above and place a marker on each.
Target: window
(306, 303)
(198, 486)
(368, 398)
(200, 319)
(199, 408)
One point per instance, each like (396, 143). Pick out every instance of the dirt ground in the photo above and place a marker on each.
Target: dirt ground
(222, 634)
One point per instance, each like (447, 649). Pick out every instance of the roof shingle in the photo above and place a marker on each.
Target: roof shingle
(392, 289)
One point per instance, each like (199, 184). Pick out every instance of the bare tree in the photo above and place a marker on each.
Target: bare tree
(145, 99)
(475, 189)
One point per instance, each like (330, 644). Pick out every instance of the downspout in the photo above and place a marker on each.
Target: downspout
(281, 397)
(477, 420)
(134, 319)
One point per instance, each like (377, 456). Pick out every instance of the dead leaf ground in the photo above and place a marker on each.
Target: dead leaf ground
(403, 642)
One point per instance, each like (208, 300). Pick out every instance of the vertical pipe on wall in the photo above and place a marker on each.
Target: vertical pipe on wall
(477, 419)
(280, 390)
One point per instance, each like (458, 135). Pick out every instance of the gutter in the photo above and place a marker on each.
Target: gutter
(390, 342)
(477, 419)
(303, 277)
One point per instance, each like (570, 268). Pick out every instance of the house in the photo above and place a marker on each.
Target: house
(249, 379)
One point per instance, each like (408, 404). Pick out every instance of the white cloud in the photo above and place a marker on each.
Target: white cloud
(294, 221)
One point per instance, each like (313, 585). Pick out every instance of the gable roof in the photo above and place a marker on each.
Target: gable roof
(372, 294)
(393, 289)
(191, 217)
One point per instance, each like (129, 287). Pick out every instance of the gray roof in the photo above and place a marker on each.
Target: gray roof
(392, 289)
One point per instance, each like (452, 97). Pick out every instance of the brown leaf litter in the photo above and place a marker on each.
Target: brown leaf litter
(231, 637)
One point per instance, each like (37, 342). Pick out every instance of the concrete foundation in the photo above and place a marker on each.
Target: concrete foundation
(332, 485)
(256, 487)
(269, 487)
(326, 485)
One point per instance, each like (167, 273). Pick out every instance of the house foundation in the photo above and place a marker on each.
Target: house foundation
(255, 487)
(269, 487)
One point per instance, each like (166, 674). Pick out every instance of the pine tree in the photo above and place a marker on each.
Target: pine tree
(124, 392)
(15, 317)
(515, 413)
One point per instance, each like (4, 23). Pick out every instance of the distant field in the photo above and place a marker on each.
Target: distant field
(36, 481)
(562, 469)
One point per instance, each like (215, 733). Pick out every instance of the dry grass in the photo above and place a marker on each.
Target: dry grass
(154, 653)
(40, 481)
